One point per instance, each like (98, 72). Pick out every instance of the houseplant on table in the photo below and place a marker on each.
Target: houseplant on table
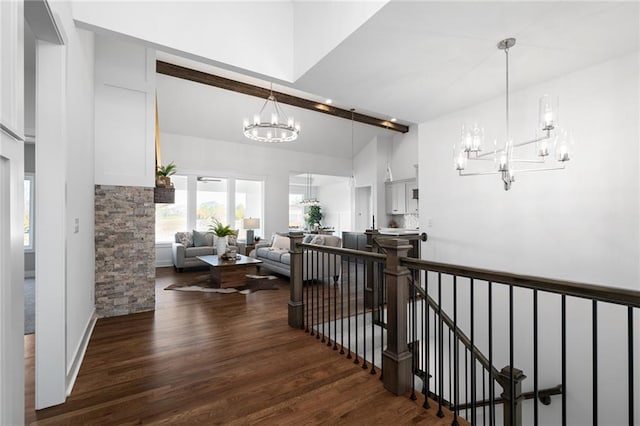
(314, 217)
(222, 232)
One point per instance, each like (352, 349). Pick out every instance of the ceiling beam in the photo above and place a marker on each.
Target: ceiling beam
(260, 92)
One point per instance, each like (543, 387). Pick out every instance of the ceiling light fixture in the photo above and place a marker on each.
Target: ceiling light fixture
(505, 164)
(279, 128)
(393, 120)
(328, 101)
(308, 201)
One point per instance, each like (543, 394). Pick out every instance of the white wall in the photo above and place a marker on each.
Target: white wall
(262, 33)
(220, 158)
(334, 20)
(404, 154)
(580, 224)
(336, 206)
(124, 114)
(65, 283)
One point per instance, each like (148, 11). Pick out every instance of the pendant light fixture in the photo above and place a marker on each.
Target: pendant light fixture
(388, 174)
(505, 162)
(279, 128)
(352, 179)
(308, 200)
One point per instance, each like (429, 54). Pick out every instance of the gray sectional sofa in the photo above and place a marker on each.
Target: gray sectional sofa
(276, 257)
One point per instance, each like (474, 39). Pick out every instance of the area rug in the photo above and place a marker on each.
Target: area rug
(203, 284)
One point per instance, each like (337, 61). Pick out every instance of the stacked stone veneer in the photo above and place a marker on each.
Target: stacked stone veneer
(125, 250)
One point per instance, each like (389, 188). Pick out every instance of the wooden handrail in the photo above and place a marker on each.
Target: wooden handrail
(376, 257)
(618, 296)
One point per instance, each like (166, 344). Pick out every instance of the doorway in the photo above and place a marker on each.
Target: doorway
(363, 217)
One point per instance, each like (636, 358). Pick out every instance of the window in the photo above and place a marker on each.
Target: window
(296, 212)
(172, 218)
(200, 199)
(248, 203)
(211, 202)
(28, 212)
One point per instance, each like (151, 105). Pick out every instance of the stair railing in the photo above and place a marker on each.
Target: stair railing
(388, 333)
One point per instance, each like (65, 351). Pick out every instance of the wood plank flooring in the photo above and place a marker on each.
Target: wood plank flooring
(209, 358)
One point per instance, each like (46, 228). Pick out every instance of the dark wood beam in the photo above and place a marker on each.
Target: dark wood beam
(260, 92)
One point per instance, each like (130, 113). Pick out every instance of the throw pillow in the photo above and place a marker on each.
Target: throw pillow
(200, 239)
(232, 240)
(308, 238)
(281, 243)
(318, 240)
(184, 238)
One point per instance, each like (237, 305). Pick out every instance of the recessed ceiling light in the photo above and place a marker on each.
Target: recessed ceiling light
(394, 119)
(328, 101)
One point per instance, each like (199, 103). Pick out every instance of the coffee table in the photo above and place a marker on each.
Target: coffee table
(230, 273)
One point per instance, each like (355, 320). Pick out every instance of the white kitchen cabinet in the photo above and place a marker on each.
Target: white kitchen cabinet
(410, 202)
(395, 198)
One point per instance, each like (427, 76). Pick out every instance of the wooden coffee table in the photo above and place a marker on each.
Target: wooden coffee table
(230, 273)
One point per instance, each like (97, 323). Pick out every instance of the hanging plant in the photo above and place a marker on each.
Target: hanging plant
(163, 174)
(314, 218)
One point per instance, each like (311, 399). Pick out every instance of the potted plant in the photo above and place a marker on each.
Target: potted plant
(222, 232)
(163, 174)
(314, 217)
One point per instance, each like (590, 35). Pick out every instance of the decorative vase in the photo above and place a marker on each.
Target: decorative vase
(221, 245)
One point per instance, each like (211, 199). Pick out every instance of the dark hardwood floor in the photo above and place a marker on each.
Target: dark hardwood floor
(209, 358)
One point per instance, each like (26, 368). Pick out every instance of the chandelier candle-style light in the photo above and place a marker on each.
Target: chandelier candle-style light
(278, 128)
(504, 162)
(309, 201)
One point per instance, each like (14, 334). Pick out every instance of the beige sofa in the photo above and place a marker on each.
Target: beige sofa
(276, 257)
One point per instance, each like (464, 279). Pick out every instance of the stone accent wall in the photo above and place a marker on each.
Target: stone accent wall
(125, 250)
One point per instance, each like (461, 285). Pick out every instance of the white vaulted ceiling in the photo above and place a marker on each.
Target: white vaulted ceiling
(413, 60)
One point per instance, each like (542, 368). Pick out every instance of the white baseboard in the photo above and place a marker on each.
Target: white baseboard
(29, 274)
(164, 264)
(78, 356)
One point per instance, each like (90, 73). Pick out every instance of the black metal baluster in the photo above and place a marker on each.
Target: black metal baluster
(349, 307)
(594, 359)
(356, 361)
(426, 343)
(306, 290)
(412, 324)
(512, 390)
(364, 315)
(484, 398)
(535, 357)
(315, 282)
(473, 353)
(450, 372)
(312, 284)
(322, 284)
(335, 306)
(492, 406)
(440, 413)
(327, 282)
(564, 357)
(341, 307)
(631, 359)
(373, 308)
(455, 348)
(466, 383)
(381, 314)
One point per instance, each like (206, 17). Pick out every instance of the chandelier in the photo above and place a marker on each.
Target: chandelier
(308, 201)
(504, 162)
(279, 128)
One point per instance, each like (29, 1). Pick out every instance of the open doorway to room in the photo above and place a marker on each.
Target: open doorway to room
(333, 196)
(29, 180)
(363, 216)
